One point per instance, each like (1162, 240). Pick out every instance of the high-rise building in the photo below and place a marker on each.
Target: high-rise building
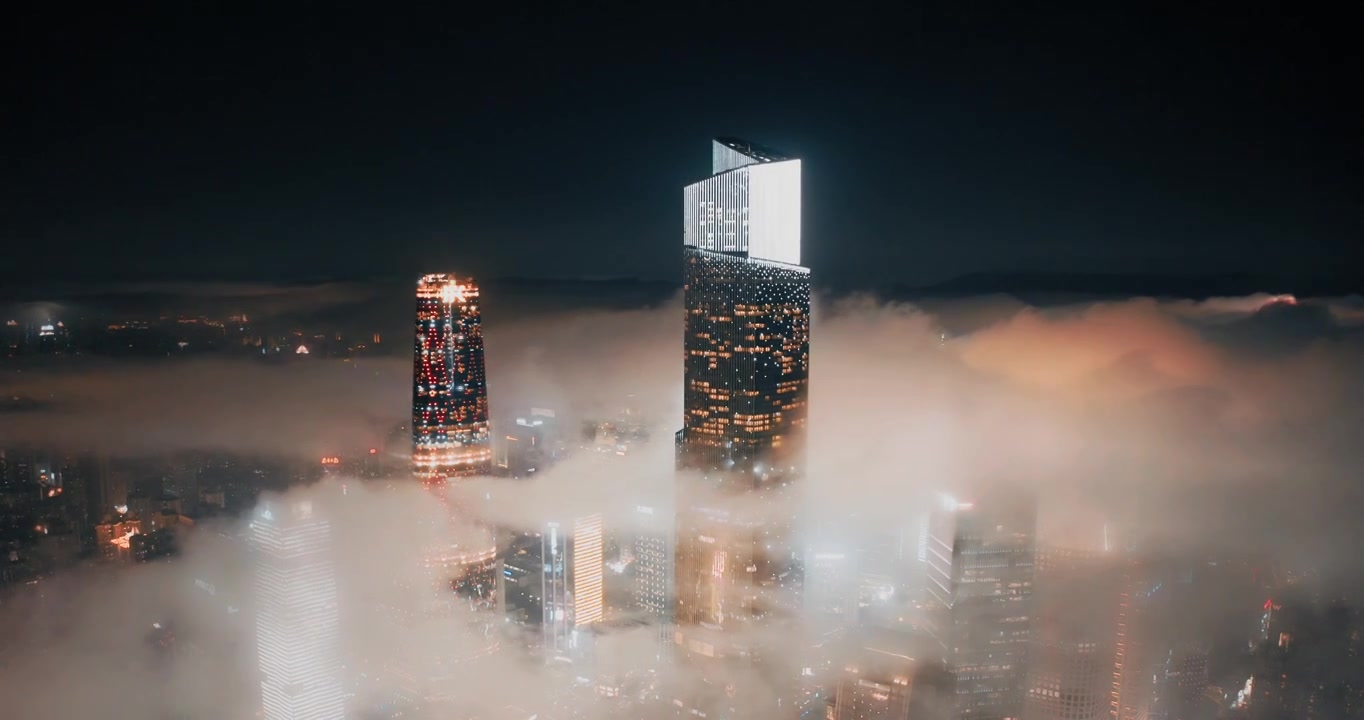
(298, 633)
(747, 329)
(573, 582)
(530, 446)
(1072, 653)
(449, 391)
(459, 590)
(980, 581)
(650, 546)
(880, 677)
(554, 583)
(746, 370)
(1148, 613)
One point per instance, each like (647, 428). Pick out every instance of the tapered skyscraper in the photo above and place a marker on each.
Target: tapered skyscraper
(745, 395)
(449, 390)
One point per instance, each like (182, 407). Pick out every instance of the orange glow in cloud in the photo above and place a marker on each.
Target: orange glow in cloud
(1107, 348)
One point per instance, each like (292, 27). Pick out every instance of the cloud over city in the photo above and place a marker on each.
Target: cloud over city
(1234, 421)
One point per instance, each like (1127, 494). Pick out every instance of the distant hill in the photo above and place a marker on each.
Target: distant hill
(1045, 287)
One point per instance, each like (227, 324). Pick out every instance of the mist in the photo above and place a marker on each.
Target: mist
(1227, 423)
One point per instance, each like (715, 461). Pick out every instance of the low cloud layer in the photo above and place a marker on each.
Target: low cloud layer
(297, 407)
(1234, 422)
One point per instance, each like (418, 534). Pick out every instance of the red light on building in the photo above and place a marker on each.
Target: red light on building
(374, 451)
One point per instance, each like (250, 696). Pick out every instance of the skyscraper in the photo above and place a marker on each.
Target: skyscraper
(980, 582)
(879, 677)
(747, 331)
(449, 391)
(573, 581)
(746, 381)
(553, 581)
(297, 619)
(1072, 653)
(453, 615)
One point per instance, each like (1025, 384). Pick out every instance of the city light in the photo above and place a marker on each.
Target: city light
(450, 432)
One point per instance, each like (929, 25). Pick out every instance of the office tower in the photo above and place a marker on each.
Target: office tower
(1075, 623)
(297, 618)
(529, 446)
(449, 390)
(1151, 621)
(747, 329)
(746, 381)
(553, 583)
(652, 567)
(523, 579)
(980, 578)
(880, 676)
(573, 583)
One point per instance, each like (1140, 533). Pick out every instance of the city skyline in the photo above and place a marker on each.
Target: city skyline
(249, 501)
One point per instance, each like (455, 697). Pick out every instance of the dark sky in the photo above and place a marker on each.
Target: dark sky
(300, 140)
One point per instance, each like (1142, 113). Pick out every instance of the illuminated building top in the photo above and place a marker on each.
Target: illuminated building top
(728, 153)
(750, 206)
(449, 389)
(747, 333)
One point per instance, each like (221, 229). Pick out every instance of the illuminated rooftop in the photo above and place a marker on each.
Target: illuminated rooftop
(728, 153)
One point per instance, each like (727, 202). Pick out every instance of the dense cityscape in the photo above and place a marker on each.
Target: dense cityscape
(639, 361)
(708, 581)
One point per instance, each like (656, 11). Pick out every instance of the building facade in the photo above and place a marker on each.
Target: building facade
(298, 623)
(1075, 626)
(554, 583)
(737, 568)
(980, 582)
(449, 388)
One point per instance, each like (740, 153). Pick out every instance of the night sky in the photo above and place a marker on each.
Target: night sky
(211, 141)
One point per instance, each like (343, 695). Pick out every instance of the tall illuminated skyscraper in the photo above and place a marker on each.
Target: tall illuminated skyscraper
(747, 333)
(298, 635)
(573, 582)
(745, 394)
(449, 390)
